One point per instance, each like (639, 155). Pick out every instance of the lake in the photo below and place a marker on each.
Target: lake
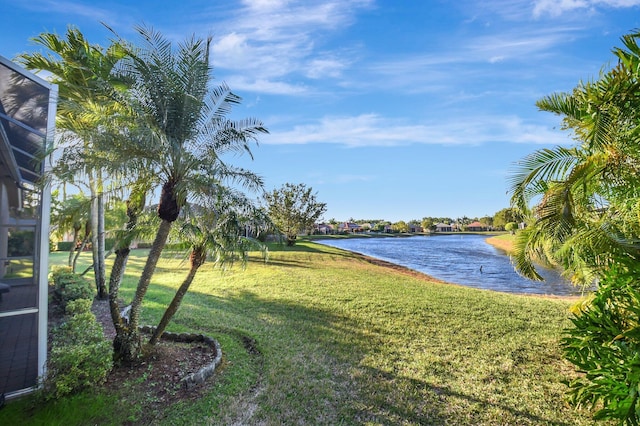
(457, 259)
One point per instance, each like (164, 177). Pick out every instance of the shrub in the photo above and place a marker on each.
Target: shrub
(604, 344)
(511, 227)
(68, 286)
(20, 243)
(80, 357)
(65, 245)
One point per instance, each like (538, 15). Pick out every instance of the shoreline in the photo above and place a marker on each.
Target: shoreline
(428, 278)
(500, 243)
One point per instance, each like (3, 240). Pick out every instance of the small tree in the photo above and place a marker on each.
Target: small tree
(511, 227)
(400, 226)
(504, 216)
(293, 209)
(214, 231)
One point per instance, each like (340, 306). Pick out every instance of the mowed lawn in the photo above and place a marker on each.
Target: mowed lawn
(317, 335)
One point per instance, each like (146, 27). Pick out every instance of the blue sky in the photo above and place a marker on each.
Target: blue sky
(388, 109)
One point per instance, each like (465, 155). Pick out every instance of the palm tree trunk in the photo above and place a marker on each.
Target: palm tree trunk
(197, 259)
(117, 272)
(85, 241)
(73, 248)
(80, 249)
(94, 230)
(135, 205)
(99, 270)
(127, 345)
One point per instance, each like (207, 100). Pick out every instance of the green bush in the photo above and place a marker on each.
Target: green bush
(80, 357)
(21, 243)
(68, 286)
(511, 227)
(604, 344)
(65, 245)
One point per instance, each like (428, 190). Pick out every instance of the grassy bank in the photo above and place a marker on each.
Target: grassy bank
(504, 242)
(343, 341)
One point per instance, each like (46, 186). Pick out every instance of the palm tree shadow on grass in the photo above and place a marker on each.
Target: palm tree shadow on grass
(358, 391)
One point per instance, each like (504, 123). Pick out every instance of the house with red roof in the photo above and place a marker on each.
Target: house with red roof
(477, 226)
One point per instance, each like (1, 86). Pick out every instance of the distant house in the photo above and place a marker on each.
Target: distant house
(415, 228)
(443, 227)
(323, 228)
(477, 226)
(350, 227)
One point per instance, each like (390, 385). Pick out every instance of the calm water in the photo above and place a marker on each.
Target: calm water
(457, 259)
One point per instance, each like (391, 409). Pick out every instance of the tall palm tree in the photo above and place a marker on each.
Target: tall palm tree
(585, 198)
(182, 130)
(86, 84)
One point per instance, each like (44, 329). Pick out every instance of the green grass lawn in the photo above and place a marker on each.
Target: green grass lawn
(342, 341)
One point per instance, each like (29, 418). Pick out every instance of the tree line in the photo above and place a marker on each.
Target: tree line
(497, 222)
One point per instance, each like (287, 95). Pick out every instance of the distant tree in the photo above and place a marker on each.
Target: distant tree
(511, 227)
(464, 220)
(293, 209)
(504, 216)
(380, 226)
(400, 226)
(427, 223)
(487, 220)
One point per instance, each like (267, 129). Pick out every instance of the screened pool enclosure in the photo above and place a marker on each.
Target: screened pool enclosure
(27, 114)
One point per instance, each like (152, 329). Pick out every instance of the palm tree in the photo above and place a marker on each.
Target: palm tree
(215, 230)
(182, 130)
(73, 215)
(84, 75)
(586, 217)
(586, 197)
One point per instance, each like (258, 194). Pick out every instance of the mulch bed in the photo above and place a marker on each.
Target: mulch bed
(155, 380)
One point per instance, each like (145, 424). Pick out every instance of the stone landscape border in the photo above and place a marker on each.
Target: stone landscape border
(197, 378)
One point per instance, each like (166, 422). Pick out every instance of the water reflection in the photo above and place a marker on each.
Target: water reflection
(461, 259)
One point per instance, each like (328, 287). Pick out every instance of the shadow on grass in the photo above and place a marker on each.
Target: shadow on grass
(361, 392)
(437, 409)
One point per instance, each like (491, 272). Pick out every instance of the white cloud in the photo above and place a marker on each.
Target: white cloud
(274, 39)
(323, 68)
(264, 4)
(556, 8)
(492, 56)
(261, 85)
(374, 130)
(70, 8)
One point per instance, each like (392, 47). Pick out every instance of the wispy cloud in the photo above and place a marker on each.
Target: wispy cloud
(374, 130)
(70, 8)
(556, 8)
(272, 39)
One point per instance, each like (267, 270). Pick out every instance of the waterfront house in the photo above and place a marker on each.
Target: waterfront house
(443, 227)
(415, 228)
(477, 226)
